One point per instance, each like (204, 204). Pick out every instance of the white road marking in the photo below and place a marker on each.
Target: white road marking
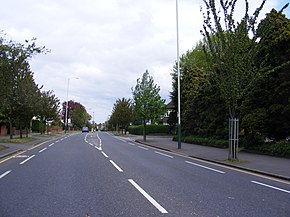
(104, 154)
(208, 168)
(130, 143)
(23, 162)
(270, 186)
(5, 174)
(148, 197)
(51, 144)
(117, 167)
(166, 155)
(20, 156)
(99, 148)
(42, 150)
(143, 148)
(120, 139)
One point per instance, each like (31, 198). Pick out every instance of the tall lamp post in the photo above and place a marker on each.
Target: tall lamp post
(178, 80)
(66, 106)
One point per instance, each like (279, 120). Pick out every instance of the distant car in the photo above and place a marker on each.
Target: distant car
(85, 129)
(288, 139)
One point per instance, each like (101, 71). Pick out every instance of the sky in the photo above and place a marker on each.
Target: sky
(103, 46)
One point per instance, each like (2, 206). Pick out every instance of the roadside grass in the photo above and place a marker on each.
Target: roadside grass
(2, 147)
(45, 135)
(18, 140)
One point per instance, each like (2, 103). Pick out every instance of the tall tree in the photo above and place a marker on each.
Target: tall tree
(48, 108)
(266, 108)
(122, 114)
(232, 53)
(77, 113)
(198, 91)
(13, 60)
(148, 104)
(27, 96)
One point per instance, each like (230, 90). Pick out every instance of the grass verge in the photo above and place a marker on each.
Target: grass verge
(2, 147)
(18, 140)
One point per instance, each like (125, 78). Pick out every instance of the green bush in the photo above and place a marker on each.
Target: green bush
(281, 148)
(219, 143)
(151, 129)
(35, 126)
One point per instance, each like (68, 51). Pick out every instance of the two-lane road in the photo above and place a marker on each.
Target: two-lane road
(103, 175)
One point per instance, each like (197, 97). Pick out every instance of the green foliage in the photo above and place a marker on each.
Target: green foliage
(281, 148)
(202, 108)
(148, 105)
(122, 114)
(256, 122)
(2, 147)
(77, 113)
(48, 108)
(267, 105)
(151, 129)
(35, 126)
(219, 143)
(19, 93)
(231, 51)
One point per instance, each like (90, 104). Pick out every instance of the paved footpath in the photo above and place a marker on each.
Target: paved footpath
(264, 164)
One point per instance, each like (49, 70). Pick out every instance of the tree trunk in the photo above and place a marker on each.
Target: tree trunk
(20, 129)
(144, 130)
(11, 129)
(26, 132)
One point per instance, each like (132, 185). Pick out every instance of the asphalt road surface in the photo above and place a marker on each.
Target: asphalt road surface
(102, 175)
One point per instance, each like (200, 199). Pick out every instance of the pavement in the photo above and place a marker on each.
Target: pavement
(277, 167)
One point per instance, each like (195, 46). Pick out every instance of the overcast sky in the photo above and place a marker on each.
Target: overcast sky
(107, 44)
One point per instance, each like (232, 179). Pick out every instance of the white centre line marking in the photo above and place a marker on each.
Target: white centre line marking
(143, 148)
(208, 168)
(42, 150)
(270, 186)
(51, 144)
(148, 197)
(165, 155)
(117, 167)
(130, 143)
(5, 174)
(99, 148)
(23, 162)
(104, 154)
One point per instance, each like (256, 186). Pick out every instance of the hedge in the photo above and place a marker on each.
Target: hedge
(150, 129)
(281, 149)
(219, 143)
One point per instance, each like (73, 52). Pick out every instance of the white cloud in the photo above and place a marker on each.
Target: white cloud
(107, 44)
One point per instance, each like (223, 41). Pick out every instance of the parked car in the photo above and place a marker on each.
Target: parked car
(85, 129)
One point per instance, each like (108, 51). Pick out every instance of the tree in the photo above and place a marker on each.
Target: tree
(27, 96)
(122, 114)
(48, 108)
(266, 108)
(198, 91)
(13, 62)
(148, 104)
(232, 54)
(77, 113)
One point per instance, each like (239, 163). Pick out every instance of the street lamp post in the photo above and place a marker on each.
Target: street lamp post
(178, 80)
(66, 106)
